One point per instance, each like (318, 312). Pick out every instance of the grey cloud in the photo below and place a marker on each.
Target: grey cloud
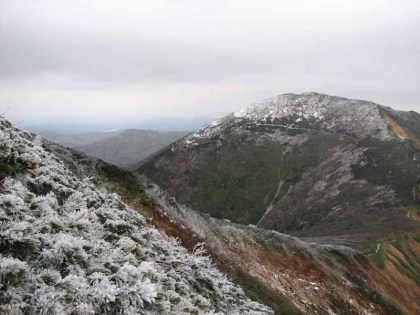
(122, 58)
(216, 55)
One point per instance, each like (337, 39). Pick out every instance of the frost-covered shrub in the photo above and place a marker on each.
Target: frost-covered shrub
(69, 248)
(5, 145)
(12, 271)
(11, 204)
(15, 237)
(31, 160)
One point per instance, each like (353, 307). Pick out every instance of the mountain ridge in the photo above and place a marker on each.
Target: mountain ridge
(253, 166)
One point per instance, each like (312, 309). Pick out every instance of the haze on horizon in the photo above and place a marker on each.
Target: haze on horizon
(130, 61)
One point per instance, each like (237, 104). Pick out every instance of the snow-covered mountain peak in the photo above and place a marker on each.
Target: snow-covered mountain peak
(306, 105)
(305, 112)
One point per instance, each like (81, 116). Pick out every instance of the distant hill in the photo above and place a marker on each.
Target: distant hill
(74, 139)
(131, 146)
(121, 147)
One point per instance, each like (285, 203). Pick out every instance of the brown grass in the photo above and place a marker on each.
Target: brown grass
(395, 252)
(402, 290)
(398, 130)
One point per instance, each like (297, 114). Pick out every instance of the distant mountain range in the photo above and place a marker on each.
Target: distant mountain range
(121, 147)
(159, 123)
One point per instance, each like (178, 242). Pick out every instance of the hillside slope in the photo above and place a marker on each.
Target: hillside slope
(68, 247)
(311, 165)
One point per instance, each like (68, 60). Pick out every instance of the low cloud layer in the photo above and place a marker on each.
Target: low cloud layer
(136, 60)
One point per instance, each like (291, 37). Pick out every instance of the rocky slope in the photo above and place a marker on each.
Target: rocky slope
(68, 247)
(329, 168)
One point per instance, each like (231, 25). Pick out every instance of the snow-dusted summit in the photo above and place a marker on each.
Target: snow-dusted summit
(301, 112)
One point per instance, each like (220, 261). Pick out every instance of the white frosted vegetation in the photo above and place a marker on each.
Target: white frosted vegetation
(69, 248)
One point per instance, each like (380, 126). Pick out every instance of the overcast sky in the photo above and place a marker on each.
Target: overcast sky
(101, 61)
